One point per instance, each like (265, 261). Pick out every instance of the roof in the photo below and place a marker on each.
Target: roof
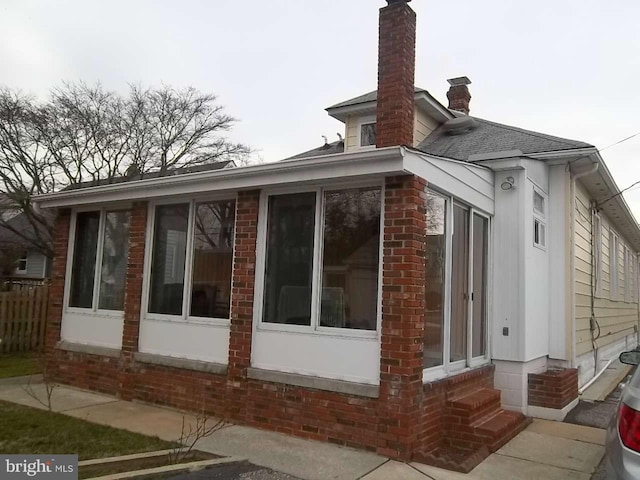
(366, 98)
(137, 176)
(490, 137)
(326, 149)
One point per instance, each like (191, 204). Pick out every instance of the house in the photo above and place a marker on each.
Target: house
(415, 289)
(18, 258)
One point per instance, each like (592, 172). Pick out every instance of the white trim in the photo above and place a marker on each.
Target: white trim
(25, 257)
(551, 413)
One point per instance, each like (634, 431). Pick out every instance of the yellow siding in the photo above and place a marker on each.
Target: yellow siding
(351, 129)
(615, 317)
(423, 126)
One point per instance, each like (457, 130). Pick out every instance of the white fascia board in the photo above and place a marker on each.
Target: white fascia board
(473, 184)
(347, 166)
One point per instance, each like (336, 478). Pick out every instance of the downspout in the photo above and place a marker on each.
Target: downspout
(572, 186)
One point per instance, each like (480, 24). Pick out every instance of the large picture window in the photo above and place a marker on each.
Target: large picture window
(99, 260)
(327, 276)
(192, 259)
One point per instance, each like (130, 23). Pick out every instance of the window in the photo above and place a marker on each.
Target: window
(368, 134)
(613, 266)
(628, 274)
(539, 225)
(343, 287)
(22, 263)
(192, 259)
(99, 260)
(457, 247)
(539, 233)
(597, 253)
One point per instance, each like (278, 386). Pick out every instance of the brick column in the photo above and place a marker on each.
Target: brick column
(556, 388)
(133, 296)
(58, 274)
(403, 290)
(244, 271)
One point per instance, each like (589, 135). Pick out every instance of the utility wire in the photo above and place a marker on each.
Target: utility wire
(619, 142)
(600, 204)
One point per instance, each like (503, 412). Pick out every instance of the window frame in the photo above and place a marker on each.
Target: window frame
(95, 300)
(539, 217)
(366, 120)
(597, 254)
(23, 258)
(185, 316)
(261, 255)
(449, 368)
(614, 266)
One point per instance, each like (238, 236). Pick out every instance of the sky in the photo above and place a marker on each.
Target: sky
(566, 68)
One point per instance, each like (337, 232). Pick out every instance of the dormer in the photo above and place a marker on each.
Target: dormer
(359, 117)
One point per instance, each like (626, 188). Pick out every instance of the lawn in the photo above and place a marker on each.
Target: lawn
(19, 364)
(26, 430)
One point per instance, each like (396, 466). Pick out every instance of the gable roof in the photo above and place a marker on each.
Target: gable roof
(326, 149)
(366, 98)
(490, 137)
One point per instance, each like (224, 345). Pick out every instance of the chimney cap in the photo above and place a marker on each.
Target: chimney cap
(394, 2)
(459, 81)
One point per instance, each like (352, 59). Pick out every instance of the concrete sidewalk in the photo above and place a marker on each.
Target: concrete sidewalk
(546, 450)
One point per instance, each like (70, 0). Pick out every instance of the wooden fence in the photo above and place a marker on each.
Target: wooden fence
(23, 316)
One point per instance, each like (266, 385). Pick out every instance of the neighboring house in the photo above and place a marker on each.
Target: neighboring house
(412, 290)
(26, 260)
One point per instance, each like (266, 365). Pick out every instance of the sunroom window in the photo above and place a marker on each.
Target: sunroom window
(192, 259)
(328, 276)
(99, 260)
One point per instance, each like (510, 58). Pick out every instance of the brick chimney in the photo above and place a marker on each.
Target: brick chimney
(396, 72)
(458, 94)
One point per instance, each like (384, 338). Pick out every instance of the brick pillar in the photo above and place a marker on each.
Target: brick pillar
(403, 290)
(556, 388)
(58, 274)
(459, 95)
(396, 72)
(133, 296)
(244, 271)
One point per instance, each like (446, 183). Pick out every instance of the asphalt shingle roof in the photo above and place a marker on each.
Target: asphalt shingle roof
(326, 149)
(490, 137)
(366, 98)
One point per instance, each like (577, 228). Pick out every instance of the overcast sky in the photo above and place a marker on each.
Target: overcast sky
(563, 67)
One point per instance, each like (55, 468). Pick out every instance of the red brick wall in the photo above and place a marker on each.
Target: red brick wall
(91, 372)
(555, 388)
(58, 271)
(403, 291)
(396, 72)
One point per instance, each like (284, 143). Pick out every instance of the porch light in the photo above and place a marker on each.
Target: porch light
(508, 184)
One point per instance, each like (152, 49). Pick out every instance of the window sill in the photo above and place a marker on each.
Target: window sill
(317, 383)
(88, 349)
(181, 363)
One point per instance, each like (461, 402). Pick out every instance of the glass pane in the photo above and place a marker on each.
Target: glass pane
(367, 134)
(480, 249)
(459, 283)
(351, 259)
(435, 263)
(289, 265)
(114, 261)
(212, 259)
(167, 266)
(84, 259)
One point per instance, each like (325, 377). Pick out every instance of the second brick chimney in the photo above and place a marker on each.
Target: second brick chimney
(396, 75)
(458, 94)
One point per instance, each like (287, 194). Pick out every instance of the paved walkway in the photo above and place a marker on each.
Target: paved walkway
(546, 450)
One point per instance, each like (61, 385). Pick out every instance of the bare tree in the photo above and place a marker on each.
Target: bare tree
(87, 135)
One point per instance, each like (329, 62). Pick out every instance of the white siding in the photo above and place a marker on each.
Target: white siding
(423, 126)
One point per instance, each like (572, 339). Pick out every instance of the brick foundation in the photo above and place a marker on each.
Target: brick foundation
(555, 388)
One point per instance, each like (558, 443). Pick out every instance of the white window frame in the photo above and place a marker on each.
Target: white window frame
(597, 253)
(98, 267)
(627, 274)
(448, 367)
(23, 258)
(365, 120)
(184, 317)
(539, 217)
(318, 244)
(614, 274)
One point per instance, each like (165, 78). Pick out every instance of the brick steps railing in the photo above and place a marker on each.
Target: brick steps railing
(476, 427)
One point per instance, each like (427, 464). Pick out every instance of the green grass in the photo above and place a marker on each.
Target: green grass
(19, 364)
(26, 430)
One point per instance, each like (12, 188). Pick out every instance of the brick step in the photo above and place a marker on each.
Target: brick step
(452, 458)
(497, 430)
(473, 407)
